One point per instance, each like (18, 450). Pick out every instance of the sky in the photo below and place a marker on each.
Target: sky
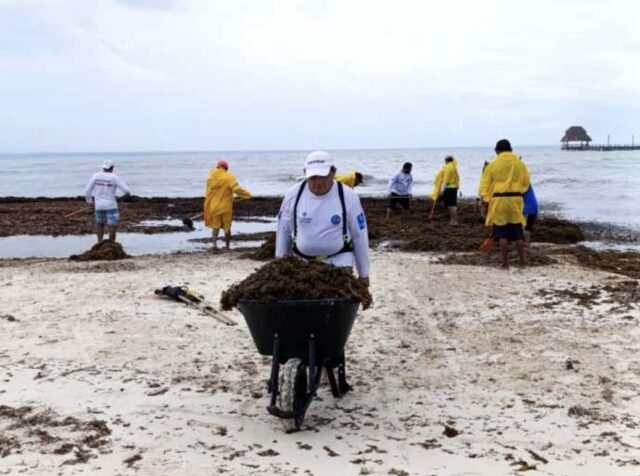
(145, 75)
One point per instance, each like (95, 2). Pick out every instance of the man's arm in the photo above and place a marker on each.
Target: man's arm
(121, 185)
(437, 185)
(526, 180)
(240, 192)
(360, 236)
(88, 190)
(485, 185)
(285, 227)
(392, 182)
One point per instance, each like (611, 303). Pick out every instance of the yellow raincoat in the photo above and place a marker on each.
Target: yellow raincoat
(347, 179)
(220, 190)
(447, 176)
(505, 175)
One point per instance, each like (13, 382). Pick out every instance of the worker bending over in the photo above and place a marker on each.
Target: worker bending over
(351, 180)
(446, 186)
(399, 188)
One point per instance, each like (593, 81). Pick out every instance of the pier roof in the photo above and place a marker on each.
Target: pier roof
(576, 134)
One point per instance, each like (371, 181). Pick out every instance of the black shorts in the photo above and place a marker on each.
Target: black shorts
(531, 220)
(450, 197)
(395, 200)
(510, 231)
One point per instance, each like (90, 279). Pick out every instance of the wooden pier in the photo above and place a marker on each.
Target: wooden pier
(603, 148)
(576, 138)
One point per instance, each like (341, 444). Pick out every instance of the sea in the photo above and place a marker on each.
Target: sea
(587, 186)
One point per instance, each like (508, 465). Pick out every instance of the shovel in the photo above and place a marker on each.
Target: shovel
(188, 222)
(83, 209)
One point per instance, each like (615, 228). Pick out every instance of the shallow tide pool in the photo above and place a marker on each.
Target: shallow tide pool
(44, 246)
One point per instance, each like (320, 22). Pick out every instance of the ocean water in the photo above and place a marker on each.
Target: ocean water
(591, 186)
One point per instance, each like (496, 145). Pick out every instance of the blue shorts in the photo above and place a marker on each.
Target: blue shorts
(109, 216)
(510, 232)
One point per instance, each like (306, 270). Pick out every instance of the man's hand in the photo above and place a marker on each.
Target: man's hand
(364, 281)
(127, 197)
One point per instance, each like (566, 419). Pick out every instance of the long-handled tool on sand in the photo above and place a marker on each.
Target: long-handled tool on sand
(433, 209)
(193, 299)
(80, 210)
(188, 222)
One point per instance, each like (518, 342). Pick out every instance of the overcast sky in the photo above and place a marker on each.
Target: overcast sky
(123, 75)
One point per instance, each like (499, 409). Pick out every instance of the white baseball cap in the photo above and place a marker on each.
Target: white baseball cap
(318, 163)
(107, 164)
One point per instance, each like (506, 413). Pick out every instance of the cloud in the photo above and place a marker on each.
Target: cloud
(151, 4)
(286, 72)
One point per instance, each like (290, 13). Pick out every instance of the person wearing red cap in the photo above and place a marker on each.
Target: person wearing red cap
(221, 188)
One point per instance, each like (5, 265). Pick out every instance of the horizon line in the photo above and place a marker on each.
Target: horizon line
(233, 151)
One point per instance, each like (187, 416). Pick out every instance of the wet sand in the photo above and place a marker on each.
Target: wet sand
(456, 370)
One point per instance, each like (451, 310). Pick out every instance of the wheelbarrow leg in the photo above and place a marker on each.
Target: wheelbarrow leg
(315, 369)
(275, 371)
(339, 387)
(342, 377)
(335, 390)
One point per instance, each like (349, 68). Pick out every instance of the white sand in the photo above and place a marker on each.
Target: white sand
(466, 346)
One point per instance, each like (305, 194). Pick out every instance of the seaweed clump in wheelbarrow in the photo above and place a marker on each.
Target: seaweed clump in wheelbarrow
(294, 279)
(300, 313)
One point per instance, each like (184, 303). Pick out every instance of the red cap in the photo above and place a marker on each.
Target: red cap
(222, 164)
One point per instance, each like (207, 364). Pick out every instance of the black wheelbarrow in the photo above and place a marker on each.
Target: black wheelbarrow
(303, 337)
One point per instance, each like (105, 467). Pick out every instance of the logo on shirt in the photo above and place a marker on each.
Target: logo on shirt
(335, 219)
(362, 221)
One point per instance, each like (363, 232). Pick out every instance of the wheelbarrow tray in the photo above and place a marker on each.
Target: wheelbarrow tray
(293, 322)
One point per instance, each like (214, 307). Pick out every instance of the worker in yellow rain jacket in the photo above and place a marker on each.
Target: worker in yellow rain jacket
(502, 185)
(351, 180)
(447, 184)
(221, 188)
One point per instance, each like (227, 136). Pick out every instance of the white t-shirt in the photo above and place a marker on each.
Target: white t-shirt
(320, 227)
(400, 184)
(102, 189)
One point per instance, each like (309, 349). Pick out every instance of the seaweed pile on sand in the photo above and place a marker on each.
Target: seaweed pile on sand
(415, 232)
(264, 252)
(534, 258)
(294, 279)
(103, 251)
(626, 263)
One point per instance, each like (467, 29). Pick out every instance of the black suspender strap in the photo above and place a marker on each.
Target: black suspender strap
(348, 243)
(344, 211)
(295, 210)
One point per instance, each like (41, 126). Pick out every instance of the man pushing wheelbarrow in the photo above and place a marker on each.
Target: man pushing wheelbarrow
(321, 223)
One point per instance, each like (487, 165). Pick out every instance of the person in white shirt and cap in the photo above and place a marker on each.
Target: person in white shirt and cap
(101, 192)
(322, 219)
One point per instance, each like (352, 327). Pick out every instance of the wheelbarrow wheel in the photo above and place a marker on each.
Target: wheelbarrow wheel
(293, 392)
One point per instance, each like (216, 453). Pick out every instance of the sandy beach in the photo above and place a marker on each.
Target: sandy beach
(456, 370)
